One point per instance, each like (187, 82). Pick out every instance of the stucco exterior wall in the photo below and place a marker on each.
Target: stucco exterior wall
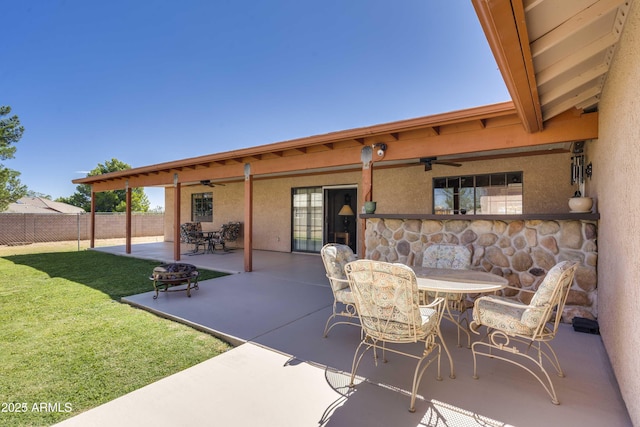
(405, 189)
(616, 172)
(228, 205)
(546, 187)
(271, 206)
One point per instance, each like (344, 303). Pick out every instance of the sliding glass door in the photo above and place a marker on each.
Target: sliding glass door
(307, 219)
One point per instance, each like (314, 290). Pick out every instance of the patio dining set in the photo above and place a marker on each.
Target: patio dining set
(396, 305)
(192, 233)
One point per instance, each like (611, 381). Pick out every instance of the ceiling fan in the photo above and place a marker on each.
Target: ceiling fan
(430, 161)
(208, 183)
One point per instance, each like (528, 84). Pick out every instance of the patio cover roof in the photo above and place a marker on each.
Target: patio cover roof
(493, 131)
(554, 57)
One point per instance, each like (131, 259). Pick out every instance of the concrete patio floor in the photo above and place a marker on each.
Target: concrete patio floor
(283, 373)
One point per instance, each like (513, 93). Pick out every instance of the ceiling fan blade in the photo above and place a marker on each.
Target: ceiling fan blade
(428, 162)
(445, 163)
(208, 183)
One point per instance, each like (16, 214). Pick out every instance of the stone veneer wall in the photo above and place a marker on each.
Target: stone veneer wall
(520, 250)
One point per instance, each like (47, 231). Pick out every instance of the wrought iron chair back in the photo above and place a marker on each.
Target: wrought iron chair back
(191, 232)
(514, 330)
(457, 257)
(387, 300)
(334, 257)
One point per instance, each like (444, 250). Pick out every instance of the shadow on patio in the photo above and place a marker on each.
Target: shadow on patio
(286, 374)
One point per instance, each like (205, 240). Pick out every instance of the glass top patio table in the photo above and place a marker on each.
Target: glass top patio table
(448, 280)
(443, 281)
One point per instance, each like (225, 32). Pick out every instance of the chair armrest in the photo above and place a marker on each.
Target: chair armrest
(336, 279)
(434, 303)
(520, 305)
(519, 289)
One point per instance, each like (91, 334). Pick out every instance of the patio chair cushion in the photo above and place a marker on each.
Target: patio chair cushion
(457, 257)
(490, 311)
(344, 296)
(397, 305)
(231, 232)
(189, 231)
(336, 257)
(544, 294)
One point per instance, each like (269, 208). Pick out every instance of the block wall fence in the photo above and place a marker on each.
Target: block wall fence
(16, 228)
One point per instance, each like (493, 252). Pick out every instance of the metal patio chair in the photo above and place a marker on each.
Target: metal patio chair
(191, 233)
(387, 300)
(228, 233)
(334, 257)
(519, 333)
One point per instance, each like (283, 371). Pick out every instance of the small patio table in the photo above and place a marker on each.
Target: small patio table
(449, 281)
(211, 237)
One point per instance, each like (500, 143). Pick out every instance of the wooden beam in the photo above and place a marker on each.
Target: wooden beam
(176, 219)
(295, 151)
(565, 127)
(249, 159)
(541, 152)
(128, 220)
(366, 193)
(504, 25)
(356, 136)
(248, 218)
(92, 244)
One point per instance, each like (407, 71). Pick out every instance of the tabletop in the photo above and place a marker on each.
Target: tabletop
(458, 281)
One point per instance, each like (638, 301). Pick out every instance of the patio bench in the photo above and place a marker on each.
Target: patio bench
(172, 275)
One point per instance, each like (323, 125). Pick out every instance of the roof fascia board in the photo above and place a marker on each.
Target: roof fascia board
(505, 27)
(566, 127)
(357, 135)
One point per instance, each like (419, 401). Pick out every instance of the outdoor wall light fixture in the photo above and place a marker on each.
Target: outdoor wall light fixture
(381, 146)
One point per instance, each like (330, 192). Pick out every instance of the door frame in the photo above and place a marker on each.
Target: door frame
(333, 198)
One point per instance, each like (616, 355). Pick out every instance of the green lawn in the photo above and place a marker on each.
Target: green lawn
(66, 342)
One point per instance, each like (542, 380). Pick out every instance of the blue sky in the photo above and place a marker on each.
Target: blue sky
(152, 81)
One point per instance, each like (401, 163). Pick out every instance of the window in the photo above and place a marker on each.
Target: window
(491, 194)
(307, 219)
(202, 207)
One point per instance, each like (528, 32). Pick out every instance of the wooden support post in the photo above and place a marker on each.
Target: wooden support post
(92, 244)
(176, 218)
(248, 218)
(128, 219)
(367, 192)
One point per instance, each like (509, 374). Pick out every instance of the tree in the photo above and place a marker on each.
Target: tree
(11, 189)
(31, 193)
(108, 201)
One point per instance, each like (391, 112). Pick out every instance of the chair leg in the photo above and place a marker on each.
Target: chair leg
(349, 312)
(506, 347)
(326, 326)
(419, 371)
(357, 358)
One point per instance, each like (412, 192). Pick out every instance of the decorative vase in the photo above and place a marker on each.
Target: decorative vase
(580, 204)
(369, 207)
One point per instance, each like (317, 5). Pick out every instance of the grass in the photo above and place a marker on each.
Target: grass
(68, 343)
